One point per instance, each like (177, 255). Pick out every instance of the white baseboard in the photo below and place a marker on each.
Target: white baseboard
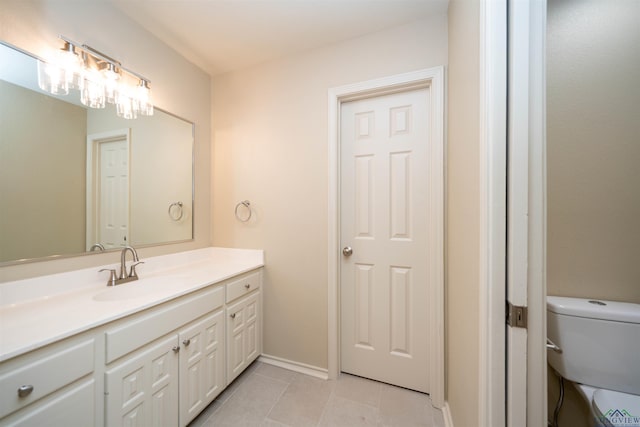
(446, 413)
(302, 368)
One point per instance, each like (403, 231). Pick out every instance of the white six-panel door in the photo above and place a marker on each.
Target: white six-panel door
(113, 220)
(384, 220)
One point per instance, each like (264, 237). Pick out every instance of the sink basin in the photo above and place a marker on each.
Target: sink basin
(141, 288)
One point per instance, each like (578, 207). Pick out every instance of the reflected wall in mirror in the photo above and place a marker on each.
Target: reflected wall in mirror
(73, 179)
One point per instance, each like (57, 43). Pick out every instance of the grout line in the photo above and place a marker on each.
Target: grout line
(277, 400)
(326, 405)
(271, 378)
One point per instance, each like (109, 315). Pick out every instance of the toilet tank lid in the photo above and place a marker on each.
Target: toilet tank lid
(595, 309)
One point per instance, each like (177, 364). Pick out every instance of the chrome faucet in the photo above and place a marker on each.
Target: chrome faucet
(98, 246)
(124, 277)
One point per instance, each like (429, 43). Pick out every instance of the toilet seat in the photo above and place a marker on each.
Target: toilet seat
(616, 408)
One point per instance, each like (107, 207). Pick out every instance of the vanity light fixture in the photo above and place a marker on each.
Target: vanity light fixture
(99, 78)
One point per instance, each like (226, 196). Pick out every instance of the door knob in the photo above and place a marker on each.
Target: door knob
(347, 251)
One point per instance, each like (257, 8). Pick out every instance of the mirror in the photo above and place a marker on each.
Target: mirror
(75, 180)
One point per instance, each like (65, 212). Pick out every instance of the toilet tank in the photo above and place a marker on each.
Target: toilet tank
(600, 342)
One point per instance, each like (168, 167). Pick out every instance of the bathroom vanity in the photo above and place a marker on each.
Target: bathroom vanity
(155, 351)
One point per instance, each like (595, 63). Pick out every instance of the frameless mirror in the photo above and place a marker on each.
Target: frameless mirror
(75, 180)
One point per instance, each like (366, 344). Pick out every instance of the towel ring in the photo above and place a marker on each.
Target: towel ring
(247, 205)
(172, 214)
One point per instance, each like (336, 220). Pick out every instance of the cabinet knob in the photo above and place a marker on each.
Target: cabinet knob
(186, 342)
(247, 286)
(176, 349)
(233, 315)
(25, 390)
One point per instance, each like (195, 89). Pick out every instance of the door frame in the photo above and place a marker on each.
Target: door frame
(433, 78)
(493, 59)
(523, 401)
(527, 177)
(93, 143)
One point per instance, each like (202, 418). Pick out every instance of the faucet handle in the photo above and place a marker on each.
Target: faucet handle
(132, 270)
(112, 276)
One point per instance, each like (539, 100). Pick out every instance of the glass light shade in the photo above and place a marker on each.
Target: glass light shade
(126, 106)
(111, 77)
(144, 98)
(92, 94)
(72, 65)
(51, 78)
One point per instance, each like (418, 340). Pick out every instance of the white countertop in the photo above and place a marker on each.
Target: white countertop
(38, 311)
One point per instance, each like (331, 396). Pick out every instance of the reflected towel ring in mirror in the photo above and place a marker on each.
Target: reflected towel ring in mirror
(247, 205)
(175, 213)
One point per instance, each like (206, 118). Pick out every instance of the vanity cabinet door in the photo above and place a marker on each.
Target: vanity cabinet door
(244, 337)
(143, 389)
(201, 365)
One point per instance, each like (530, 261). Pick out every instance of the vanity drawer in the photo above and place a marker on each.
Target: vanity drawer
(136, 333)
(45, 375)
(243, 286)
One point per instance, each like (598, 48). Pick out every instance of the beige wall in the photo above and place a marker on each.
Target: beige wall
(178, 86)
(463, 211)
(593, 135)
(31, 200)
(270, 147)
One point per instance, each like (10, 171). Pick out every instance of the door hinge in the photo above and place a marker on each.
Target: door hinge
(516, 315)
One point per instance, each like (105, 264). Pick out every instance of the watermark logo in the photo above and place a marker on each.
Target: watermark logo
(620, 418)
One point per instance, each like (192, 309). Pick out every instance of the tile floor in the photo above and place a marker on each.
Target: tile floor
(265, 395)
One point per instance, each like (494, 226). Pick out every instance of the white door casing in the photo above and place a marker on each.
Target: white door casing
(526, 348)
(493, 215)
(384, 218)
(108, 189)
(432, 78)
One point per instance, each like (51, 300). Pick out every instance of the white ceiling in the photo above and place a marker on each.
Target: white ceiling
(226, 35)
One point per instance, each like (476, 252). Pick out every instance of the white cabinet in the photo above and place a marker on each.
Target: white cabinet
(201, 365)
(143, 389)
(171, 380)
(42, 387)
(160, 366)
(71, 407)
(244, 324)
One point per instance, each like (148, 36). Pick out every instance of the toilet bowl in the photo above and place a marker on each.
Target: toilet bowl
(597, 348)
(604, 406)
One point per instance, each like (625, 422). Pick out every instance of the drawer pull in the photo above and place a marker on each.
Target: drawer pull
(247, 286)
(25, 390)
(186, 342)
(176, 349)
(233, 315)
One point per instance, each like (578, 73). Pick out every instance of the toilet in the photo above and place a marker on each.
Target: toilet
(597, 347)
